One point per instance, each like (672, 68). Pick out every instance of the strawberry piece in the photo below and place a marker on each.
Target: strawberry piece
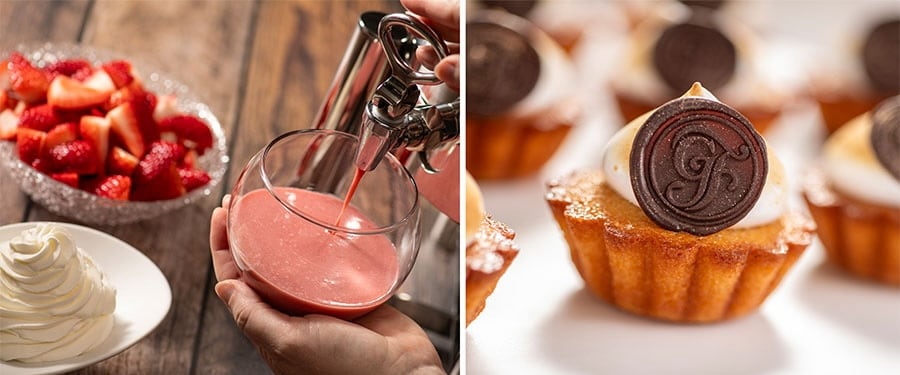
(115, 187)
(95, 131)
(78, 69)
(101, 82)
(42, 165)
(119, 71)
(29, 144)
(6, 101)
(67, 93)
(144, 103)
(193, 178)
(156, 176)
(62, 133)
(121, 162)
(41, 117)
(125, 126)
(76, 156)
(190, 160)
(68, 178)
(26, 82)
(190, 130)
(8, 124)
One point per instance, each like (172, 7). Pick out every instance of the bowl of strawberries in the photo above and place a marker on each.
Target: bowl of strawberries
(88, 135)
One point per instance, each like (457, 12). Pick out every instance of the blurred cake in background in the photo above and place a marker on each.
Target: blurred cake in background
(521, 96)
(675, 45)
(860, 73)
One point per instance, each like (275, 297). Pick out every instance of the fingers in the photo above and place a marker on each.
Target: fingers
(257, 320)
(448, 71)
(388, 321)
(223, 263)
(442, 16)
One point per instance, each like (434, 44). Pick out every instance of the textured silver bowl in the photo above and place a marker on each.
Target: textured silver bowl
(80, 205)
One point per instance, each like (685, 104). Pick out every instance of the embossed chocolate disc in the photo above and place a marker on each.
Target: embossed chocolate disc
(697, 166)
(886, 134)
(502, 67)
(692, 52)
(881, 56)
(518, 7)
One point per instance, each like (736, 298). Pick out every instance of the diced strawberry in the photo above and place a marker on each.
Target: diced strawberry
(191, 131)
(62, 133)
(125, 126)
(166, 106)
(156, 176)
(26, 82)
(190, 160)
(67, 93)
(40, 117)
(119, 71)
(144, 103)
(116, 187)
(29, 144)
(6, 101)
(78, 69)
(8, 124)
(95, 130)
(68, 178)
(193, 178)
(121, 162)
(101, 82)
(76, 156)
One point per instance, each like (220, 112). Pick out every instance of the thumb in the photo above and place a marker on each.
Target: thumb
(256, 319)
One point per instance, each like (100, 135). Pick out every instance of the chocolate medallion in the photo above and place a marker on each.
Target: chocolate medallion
(886, 135)
(697, 166)
(502, 67)
(881, 56)
(693, 52)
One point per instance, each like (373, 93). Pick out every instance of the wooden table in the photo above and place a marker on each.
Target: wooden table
(263, 68)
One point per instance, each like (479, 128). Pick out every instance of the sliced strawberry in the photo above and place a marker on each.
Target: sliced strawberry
(119, 71)
(78, 69)
(166, 106)
(67, 93)
(62, 133)
(116, 187)
(95, 130)
(100, 81)
(121, 162)
(190, 130)
(190, 160)
(193, 178)
(68, 178)
(29, 144)
(41, 117)
(8, 124)
(125, 126)
(6, 101)
(43, 165)
(76, 156)
(144, 103)
(156, 176)
(26, 82)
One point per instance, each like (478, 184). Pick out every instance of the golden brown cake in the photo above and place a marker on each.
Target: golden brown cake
(855, 202)
(489, 251)
(521, 105)
(631, 261)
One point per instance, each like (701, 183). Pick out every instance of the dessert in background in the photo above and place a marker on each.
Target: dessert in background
(564, 31)
(853, 80)
(521, 101)
(688, 220)
(489, 251)
(677, 45)
(854, 195)
(55, 302)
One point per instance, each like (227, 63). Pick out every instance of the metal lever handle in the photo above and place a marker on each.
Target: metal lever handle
(399, 67)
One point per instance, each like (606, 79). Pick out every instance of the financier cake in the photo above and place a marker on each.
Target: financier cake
(688, 219)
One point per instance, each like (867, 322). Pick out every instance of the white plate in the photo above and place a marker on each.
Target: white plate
(542, 320)
(143, 296)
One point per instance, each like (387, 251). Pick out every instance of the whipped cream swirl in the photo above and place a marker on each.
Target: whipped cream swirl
(852, 167)
(769, 207)
(55, 303)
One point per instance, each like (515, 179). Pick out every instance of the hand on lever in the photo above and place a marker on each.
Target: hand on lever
(443, 17)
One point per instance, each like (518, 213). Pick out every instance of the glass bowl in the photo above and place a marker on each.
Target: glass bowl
(83, 206)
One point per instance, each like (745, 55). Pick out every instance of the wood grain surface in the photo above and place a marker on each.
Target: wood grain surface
(262, 67)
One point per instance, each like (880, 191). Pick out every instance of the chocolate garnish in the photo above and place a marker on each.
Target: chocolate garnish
(520, 8)
(886, 134)
(697, 166)
(502, 67)
(881, 56)
(694, 52)
(707, 4)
